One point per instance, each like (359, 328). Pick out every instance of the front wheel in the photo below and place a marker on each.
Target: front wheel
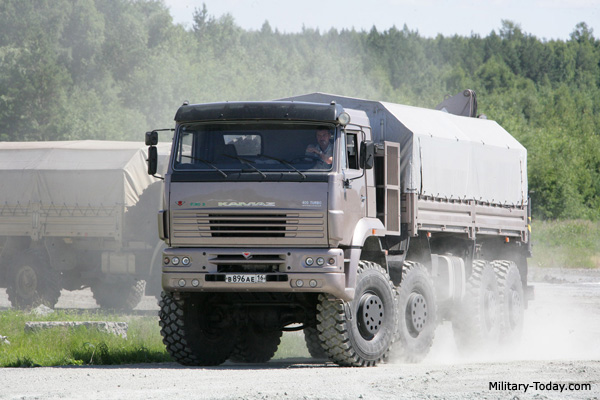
(196, 330)
(361, 332)
(417, 310)
(313, 343)
(31, 282)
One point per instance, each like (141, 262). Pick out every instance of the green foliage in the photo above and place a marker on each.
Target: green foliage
(113, 69)
(566, 244)
(78, 346)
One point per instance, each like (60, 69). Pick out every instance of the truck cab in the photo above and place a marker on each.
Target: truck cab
(251, 206)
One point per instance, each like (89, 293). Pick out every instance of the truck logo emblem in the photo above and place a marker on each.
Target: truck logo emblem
(180, 203)
(247, 255)
(246, 204)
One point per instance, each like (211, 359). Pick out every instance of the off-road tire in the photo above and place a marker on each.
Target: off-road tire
(476, 321)
(189, 332)
(313, 343)
(119, 295)
(31, 282)
(360, 333)
(417, 314)
(255, 346)
(511, 300)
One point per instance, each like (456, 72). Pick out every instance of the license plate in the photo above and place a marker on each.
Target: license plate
(245, 278)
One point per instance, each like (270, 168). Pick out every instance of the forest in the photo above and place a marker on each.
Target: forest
(112, 69)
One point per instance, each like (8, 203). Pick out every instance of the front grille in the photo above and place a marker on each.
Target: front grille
(223, 225)
(307, 225)
(255, 263)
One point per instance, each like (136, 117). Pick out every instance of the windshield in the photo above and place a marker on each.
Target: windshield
(258, 148)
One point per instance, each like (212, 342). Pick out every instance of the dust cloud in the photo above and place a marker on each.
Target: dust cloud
(561, 323)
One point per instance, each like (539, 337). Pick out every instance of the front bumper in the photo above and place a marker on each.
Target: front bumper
(286, 270)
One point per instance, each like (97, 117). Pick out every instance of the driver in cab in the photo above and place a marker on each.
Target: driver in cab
(323, 149)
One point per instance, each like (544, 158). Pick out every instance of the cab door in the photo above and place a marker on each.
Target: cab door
(354, 184)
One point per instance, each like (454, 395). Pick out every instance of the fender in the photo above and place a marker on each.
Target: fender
(365, 228)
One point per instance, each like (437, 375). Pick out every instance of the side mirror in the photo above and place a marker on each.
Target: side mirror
(367, 154)
(151, 138)
(152, 160)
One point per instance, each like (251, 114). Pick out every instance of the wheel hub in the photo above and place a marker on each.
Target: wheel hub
(370, 315)
(26, 282)
(416, 313)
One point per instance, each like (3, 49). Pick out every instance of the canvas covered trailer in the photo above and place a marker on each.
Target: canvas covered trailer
(78, 188)
(457, 174)
(82, 209)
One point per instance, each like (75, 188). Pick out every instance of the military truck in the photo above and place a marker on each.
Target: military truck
(363, 223)
(75, 214)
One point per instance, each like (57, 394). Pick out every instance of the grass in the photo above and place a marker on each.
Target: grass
(566, 244)
(78, 346)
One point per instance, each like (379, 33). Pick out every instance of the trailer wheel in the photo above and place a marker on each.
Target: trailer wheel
(313, 343)
(417, 309)
(361, 332)
(119, 295)
(511, 300)
(476, 322)
(31, 282)
(254, 345)
(196, 330)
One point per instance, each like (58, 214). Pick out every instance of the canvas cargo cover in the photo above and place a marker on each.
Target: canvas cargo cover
(73, 173)
(444, 155)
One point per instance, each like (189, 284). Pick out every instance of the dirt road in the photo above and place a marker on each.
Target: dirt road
(558, 357)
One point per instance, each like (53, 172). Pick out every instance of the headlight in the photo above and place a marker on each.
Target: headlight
(185, 261)
(309, 261)
(320, 261)
(344, 118)
(175, 260)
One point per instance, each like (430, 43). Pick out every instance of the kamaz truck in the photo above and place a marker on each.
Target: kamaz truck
(363, 223)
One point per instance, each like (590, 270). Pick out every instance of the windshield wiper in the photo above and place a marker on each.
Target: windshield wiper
(247, 162)
(284, 163)
(213, 166)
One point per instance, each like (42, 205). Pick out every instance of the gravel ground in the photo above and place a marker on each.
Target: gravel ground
(560, 346)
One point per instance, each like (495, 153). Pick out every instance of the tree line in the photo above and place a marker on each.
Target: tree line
(112, 69)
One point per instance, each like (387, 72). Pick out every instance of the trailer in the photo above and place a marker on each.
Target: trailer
(74, 214)
(363, 223)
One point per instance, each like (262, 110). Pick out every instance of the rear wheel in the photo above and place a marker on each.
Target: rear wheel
(196, 330)
(120, 295)
(254, 345)
(361, 332)
(511, 300)
(31, 282)
(476, 322)
(417, 310)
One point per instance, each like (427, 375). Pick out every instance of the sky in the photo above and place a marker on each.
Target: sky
(545, 19)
